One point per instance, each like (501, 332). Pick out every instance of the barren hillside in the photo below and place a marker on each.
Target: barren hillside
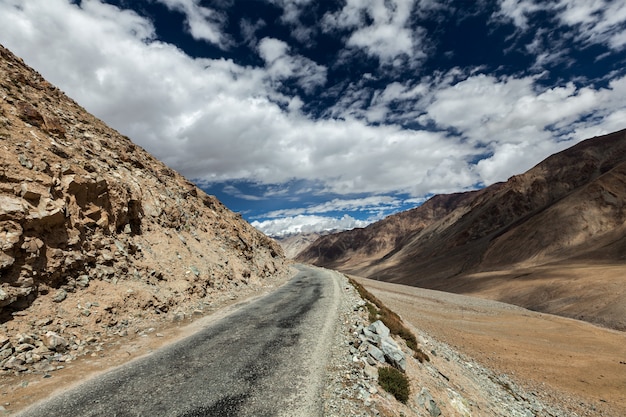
(568, 210)
(99, 238)
(361, 247)
(294, 244)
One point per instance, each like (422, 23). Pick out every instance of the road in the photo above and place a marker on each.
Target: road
(265, 359)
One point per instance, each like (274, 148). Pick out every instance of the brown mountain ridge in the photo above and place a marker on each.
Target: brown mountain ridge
(551, 239)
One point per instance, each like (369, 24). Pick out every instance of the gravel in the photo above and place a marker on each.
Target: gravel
(456, 384)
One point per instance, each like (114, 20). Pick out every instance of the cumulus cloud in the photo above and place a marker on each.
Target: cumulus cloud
(596, 22)
(516, 121)
(307, 224)
(372, 204)
(378, 27)
(213, 120)
(292, 15)
(202, 22)
(281, 65)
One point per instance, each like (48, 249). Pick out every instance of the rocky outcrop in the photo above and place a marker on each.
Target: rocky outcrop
(380, 346)
(95, 233)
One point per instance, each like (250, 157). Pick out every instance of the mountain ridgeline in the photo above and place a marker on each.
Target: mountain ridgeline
(552, 239)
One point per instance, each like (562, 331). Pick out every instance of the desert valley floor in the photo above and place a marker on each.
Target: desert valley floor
(559, 358)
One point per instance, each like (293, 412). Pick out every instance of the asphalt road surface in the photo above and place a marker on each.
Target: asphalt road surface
(266, 359)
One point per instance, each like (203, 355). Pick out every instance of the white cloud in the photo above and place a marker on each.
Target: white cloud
(359, 100)
(292, 12)
(249, 29)
(381, 28)
(307, 224)
(372, 204)
(601, 21)
(203, 23)
(520, 124)
(595, 21)
(281, 65)
(518, 11)
(236, 192)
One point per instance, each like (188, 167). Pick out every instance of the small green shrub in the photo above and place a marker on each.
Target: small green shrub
(372, 312)
(394, 382)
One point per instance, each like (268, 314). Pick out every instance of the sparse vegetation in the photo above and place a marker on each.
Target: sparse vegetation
(372, 311)
(377, 310)
(394, 382)
(365, 294)
(420, 355)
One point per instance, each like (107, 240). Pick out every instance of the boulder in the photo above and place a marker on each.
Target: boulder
(59, 296)
(11, 206)
(25, 338)
(379, 328)
(370, 336)
(393, 353)
(15, 364)
(378, 338)
(32, 245)
(426, 400)
(29, 114)
(24, 347)
(33, 192)
(5, 262)
(10, 233)
(5, 299)
(6, 353)
(54, 342)
(376, 353)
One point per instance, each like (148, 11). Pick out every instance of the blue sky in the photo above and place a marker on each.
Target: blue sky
(308, 115)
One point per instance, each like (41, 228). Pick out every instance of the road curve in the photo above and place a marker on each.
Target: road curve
(266, 359)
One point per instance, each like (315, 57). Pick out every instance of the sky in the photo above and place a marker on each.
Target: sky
(312, 115)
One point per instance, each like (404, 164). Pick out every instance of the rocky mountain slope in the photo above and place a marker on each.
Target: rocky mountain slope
(294, 244)
(97, 237)
(517, 241)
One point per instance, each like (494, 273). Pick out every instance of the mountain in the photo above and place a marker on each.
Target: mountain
(552, 239)
(99, 237)
(294, 244)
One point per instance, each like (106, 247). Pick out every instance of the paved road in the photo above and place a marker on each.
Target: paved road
(266, 359)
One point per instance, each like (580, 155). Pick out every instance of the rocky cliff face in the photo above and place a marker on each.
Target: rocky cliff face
(95, 233)
(569, 209)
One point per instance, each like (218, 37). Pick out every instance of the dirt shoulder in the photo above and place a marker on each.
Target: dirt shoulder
(575, 365)
(20, 390)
